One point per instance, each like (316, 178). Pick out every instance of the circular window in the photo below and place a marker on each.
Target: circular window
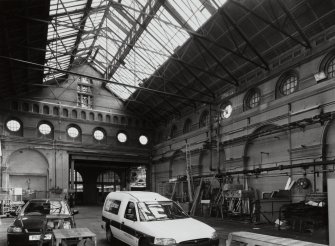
(122, 137)
(45, 129)
(143, 140)
(289, 85)
(13, 125)
(98, 135)
(226, 111)
(73, 132)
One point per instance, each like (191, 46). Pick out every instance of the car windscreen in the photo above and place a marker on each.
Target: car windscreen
(46, 208)
(167, 210)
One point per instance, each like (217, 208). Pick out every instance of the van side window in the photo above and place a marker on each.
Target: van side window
(130, 211)
(112, 206)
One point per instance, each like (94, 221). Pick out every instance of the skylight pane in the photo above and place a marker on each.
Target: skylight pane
(192, 11)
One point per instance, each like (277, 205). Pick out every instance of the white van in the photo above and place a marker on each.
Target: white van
(141, 218)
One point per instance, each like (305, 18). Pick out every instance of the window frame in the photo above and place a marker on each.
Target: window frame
(10, 132)
(249, 95)
(81, 93)
(50, 135)
(282, 81)
(117, 137)
(223, 107)
(77, 138)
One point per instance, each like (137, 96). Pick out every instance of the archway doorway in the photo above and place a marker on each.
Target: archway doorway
(106, 182)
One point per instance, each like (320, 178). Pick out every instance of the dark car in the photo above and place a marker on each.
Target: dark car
(36, 220)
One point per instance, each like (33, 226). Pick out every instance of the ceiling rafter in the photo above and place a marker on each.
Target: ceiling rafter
(268, 22)
(224, 14)
(102, 80)
(81, 30)
(134, 34)
(295, 24)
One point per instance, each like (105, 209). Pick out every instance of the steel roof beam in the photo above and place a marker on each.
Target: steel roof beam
(101, 79)
(268, 22)
(99, 29)
(235, 83)
(168, 6)
(81, 30)
(209, 6)
(134, 34)
(295, 24)
(223, 14)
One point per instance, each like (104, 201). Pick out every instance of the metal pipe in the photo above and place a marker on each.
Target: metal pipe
(280, 167)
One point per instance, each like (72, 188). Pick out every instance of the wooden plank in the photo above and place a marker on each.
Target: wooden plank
(264, 240)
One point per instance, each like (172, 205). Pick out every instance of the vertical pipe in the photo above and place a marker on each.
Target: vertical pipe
(210, 139)
(290, 138)
(72, 175)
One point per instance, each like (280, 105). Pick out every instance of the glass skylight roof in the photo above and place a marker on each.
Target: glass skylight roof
(100, 34)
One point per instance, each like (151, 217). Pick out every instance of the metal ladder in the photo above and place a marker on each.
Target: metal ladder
(189, 172)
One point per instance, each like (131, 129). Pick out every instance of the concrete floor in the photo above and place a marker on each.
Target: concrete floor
(90, 217)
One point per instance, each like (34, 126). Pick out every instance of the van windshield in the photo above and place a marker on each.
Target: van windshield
(153, 211)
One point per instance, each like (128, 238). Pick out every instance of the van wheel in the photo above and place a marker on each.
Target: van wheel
(109, 234)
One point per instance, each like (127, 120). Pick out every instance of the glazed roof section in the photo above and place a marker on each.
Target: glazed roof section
(125, 40)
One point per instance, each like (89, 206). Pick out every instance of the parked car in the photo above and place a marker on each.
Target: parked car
(38, 217)
(140, 218)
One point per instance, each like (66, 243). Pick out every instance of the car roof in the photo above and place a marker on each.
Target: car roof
(141, 196)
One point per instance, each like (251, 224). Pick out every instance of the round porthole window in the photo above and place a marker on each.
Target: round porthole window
(143, 140)
(44, 129)
(122, 137)
(73, 132)
(98, 135)
(13, 125)
(226, 111)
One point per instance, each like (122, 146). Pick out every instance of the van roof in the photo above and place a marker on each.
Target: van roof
(141, 196)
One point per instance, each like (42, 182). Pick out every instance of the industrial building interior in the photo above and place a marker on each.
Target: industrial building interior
(224, 106)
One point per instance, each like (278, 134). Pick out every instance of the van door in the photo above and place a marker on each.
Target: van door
(112, 214)
(129, 224)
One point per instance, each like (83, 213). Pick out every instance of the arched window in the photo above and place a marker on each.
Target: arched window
(187, 126)
(83, 115)
(108, 118)
(84, 93)
(65, 112)
(173, 132)
(74, 114)
(56, 111)
(91, 115)
(287, 84)
(99, 117)
(36, 108)
(45, 109)
(330, 68)
(204, 119)
(107, 182)
(123, 120)
(25, 107)
(15, 105)
(252, 99)
(115, 120)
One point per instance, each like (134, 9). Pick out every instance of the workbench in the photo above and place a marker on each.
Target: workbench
(67, 237)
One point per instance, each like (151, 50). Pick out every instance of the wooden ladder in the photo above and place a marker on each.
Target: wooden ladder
(189, 172)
